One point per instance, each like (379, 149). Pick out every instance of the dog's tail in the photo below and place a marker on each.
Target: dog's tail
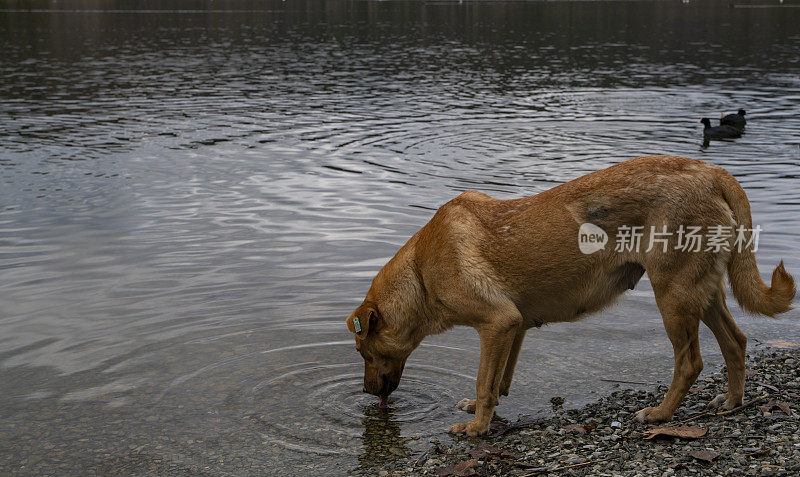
(750, 291)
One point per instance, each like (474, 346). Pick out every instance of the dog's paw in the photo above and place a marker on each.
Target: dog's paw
(652, 414)
(722, 403)
(467, 405)
(471, 428)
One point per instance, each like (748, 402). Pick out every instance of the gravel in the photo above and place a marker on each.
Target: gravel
(601, 439)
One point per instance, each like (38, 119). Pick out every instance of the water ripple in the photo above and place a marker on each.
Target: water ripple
(192, 203)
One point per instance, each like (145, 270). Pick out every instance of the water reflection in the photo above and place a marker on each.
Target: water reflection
(382, 438)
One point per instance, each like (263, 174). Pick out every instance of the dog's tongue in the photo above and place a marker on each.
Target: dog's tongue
(384, 401)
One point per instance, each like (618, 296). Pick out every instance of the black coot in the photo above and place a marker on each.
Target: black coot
(719, 132)
(736, 120)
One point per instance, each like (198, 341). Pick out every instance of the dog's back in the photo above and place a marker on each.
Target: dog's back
(528, 250)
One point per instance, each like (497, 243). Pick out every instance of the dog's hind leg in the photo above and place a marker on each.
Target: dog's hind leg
(681, 315)
(733, 344)
(513, 356)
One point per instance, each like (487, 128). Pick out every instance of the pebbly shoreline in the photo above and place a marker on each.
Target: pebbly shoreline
(601, 439)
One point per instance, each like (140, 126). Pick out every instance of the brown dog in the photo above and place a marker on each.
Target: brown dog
(503, 266)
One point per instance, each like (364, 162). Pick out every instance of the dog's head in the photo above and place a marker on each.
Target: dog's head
(383, 348)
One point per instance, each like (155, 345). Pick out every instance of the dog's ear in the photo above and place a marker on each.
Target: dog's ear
(362, 320)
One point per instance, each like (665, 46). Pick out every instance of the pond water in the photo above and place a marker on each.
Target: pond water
(195, 195)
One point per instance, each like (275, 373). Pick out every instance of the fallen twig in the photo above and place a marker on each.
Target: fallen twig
(627, 382)
(545, 471)
(696, 416)
(747, 404)
(721, 413)
(768, 386)
(499, 428)
(763, 451)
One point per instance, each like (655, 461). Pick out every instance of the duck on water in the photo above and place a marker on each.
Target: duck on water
(736, 120)
(723, 131)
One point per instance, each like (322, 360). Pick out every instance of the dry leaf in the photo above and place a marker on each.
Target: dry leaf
(785, 408)
(580, 428)
(485, 450)
(768, 406)
(482, 450)
(706, 455)
(684, 432)
(575, 428)
(782, 344)
(460, 469)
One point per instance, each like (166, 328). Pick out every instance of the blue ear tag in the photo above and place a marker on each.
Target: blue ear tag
(356, 324)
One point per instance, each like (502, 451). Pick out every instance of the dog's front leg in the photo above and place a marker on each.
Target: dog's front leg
(497, 337)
